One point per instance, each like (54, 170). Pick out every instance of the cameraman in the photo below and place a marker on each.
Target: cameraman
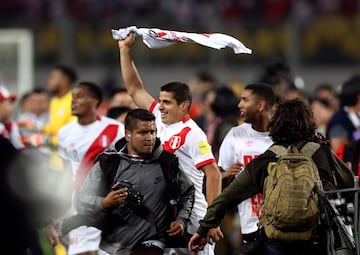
(132, 190)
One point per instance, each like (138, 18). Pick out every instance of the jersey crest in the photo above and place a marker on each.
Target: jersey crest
(176, 141)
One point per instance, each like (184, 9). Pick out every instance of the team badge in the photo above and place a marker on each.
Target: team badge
(175, 142)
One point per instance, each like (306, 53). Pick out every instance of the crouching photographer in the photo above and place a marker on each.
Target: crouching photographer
(138, 196)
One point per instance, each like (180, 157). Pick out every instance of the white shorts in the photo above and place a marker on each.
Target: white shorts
(84, 239)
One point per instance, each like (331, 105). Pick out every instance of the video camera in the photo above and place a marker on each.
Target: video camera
(341, 219)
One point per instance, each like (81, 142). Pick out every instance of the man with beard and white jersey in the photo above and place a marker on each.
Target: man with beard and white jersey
(242, 144)
(79, 143)
(179, 134)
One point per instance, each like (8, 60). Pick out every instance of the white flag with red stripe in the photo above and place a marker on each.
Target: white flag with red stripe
(158, 38)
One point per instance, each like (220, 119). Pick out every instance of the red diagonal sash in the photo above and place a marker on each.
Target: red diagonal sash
(104, 139)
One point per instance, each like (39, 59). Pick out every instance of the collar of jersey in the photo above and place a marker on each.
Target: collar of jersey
(186, 119)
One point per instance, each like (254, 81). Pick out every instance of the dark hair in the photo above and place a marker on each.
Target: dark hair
(117, 90)
(323, 101)
(133, 116)
(225, 102)
(39, 91)
(205, 76)
(180, 91)
(275, 70)
(94, 90)
(292, 122)
(324, 86)
(115, 112)
(263, 91)
(68, 71)
(24, 97)
(350, 91)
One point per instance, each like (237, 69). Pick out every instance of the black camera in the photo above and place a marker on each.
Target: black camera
(134, 197)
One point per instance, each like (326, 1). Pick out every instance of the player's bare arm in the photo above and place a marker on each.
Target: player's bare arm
(130, 75)
(213, 181)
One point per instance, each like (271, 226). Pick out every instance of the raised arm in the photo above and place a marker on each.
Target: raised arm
(130, 75)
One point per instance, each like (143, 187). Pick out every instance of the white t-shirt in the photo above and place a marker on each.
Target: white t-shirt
(242, 144)
(189, 143)
(79, 143)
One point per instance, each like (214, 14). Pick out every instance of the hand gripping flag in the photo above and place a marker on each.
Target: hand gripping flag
(158, 38)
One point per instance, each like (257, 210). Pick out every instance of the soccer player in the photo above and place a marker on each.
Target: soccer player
(178, 133)
(60, 80)
(242, 144)
(79, 144)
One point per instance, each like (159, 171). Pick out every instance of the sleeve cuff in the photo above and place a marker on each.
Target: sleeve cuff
(202, 231)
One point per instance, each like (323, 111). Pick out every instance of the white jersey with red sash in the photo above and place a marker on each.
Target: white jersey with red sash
(81, 144)
(189, 143)
(242, 144)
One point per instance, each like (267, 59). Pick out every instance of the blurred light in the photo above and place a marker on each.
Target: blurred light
(299, 82)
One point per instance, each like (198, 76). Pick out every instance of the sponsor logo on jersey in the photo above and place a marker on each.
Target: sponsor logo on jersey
(249, 143)
(204, 147)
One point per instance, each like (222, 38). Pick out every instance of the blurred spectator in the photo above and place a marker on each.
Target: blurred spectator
(225, 107)
(120, 97)
(277, 73)
(293, 92)
(118, 102)
(8, 128)
(327, 91)
(33, 115)
(276, 11)
(344, 126)
(206, 114)
(118, 113)
(322, 111)
(60, 81)
(278, 100)
(203, 82)
(350, 154)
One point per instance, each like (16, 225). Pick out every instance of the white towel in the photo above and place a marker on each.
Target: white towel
(158, 38)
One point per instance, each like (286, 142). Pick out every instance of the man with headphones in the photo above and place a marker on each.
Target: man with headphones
(134, 190)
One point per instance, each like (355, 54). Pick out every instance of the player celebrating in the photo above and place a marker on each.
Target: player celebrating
(178, 133)
(79, 143)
